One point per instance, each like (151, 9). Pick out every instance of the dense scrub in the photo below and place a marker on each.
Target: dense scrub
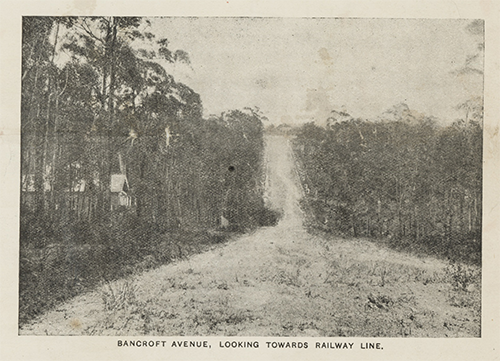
(118, 163)
(413, 183)
(281, 281)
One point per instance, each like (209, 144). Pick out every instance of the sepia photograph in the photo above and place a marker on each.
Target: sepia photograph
(316, 177)
(243, 180)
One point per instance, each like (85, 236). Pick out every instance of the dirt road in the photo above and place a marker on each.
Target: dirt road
(279, 281)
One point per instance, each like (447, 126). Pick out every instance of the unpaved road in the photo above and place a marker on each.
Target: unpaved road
(278, 281)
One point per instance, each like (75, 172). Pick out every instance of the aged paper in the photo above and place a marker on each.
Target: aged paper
(201, 25)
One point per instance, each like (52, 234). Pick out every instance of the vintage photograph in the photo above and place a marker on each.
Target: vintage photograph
(251, 176)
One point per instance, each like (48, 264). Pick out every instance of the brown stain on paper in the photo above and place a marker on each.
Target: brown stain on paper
(325, 56)
(75, 324)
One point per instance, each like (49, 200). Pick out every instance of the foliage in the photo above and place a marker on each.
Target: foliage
(111, 108)
(406, 180)
(462, 276)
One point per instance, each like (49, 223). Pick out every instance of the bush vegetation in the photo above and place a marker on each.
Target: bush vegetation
(408, 181)
(111, 109)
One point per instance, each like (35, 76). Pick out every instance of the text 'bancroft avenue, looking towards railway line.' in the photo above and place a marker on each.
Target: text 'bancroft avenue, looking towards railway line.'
(249, 344)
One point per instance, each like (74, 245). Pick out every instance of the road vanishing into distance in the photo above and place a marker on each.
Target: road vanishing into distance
(277, 281)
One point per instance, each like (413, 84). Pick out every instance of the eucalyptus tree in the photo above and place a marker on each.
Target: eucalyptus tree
(404, 178)
(134, 94)
(40, 94)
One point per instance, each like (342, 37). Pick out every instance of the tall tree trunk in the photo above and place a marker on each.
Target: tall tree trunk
(56, 148)
(112, 60)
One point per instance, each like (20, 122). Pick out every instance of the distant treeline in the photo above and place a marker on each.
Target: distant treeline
(409, 181)
(117, 163)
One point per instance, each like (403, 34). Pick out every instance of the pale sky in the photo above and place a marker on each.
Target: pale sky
(362, 66)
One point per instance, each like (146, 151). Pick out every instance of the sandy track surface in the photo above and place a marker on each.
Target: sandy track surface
(278, 281)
